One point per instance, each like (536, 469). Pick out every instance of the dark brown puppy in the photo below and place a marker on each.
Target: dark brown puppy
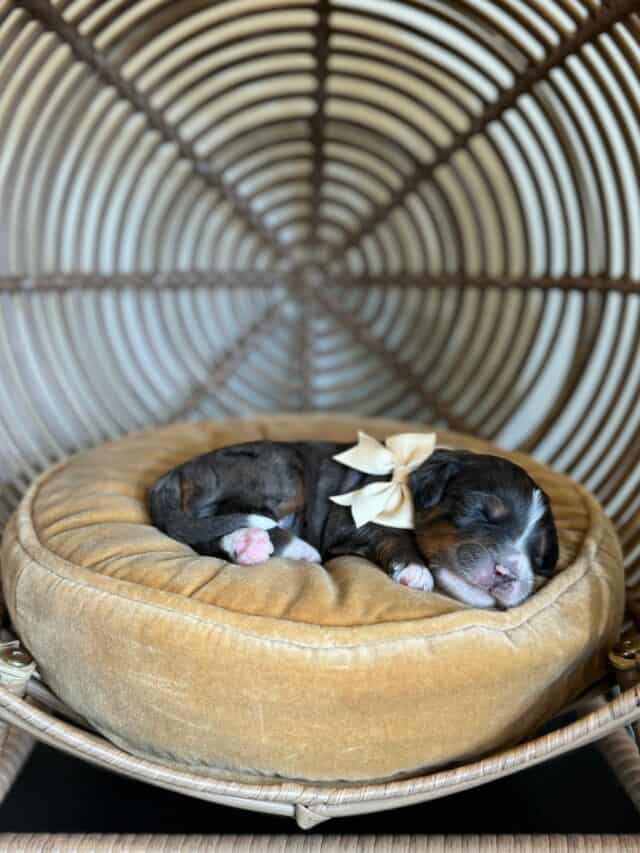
(483, 528)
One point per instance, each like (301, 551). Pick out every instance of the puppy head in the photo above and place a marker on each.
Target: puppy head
(484, 527)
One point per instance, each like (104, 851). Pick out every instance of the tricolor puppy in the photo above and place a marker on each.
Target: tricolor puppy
(482, 527)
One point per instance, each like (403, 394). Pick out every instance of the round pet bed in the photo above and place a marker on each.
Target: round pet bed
(289, 669)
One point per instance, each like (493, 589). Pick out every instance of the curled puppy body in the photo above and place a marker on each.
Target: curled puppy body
(483, 528)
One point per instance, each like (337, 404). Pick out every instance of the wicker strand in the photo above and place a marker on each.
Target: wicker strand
(542, 843)
(322, 802)
(608, 15)
(621, 753)
(16, 750)
(86, 52)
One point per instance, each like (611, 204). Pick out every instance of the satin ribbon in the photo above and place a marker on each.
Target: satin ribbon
(388, 503)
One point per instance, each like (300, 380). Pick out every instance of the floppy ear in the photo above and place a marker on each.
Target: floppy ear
(429, 481)
(544, 544)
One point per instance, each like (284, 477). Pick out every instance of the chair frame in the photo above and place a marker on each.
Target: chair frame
(377, 240)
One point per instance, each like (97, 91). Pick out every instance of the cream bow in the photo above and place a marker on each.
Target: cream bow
(390, 503)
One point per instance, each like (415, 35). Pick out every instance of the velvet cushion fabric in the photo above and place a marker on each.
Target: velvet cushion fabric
(289, 669)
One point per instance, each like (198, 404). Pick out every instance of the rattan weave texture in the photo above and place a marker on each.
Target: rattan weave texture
(411, 208)
(543, 843)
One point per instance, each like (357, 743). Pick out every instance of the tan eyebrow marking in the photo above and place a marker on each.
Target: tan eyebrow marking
(496, 508)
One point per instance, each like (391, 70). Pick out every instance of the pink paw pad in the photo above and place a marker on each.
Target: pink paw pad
(248, 545)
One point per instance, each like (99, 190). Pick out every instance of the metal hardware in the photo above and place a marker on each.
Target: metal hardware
(15, 656)
(625, 656)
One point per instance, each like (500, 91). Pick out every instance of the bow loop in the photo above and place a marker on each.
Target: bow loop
(368, 456)
(387, 503)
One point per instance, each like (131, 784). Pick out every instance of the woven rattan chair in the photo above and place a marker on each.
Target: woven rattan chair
(425, 210)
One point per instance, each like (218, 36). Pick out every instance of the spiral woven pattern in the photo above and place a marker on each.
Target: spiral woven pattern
(418, 209)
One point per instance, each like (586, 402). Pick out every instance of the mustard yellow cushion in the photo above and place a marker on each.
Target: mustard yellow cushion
(289, 669)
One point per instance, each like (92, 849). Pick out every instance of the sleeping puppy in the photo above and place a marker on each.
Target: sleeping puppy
(483, 528)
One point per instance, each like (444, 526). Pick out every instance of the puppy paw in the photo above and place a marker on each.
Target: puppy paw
(413, 575)
(247, 546)
(298, 549)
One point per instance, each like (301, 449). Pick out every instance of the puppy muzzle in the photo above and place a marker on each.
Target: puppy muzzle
(506, 575)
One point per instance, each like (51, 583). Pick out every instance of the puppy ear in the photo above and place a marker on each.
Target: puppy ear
(545, 545)
(429, 482)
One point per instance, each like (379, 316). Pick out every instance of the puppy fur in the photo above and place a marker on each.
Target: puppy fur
(483, 528)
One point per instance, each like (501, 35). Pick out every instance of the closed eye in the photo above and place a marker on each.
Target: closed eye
(477, 509)
(487, 510)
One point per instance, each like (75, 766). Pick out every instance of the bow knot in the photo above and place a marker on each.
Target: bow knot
(401, 474)
(387, 503)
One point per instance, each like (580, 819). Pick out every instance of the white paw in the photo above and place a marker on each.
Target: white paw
(247, 546)
(413, 575)
(298, 549)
